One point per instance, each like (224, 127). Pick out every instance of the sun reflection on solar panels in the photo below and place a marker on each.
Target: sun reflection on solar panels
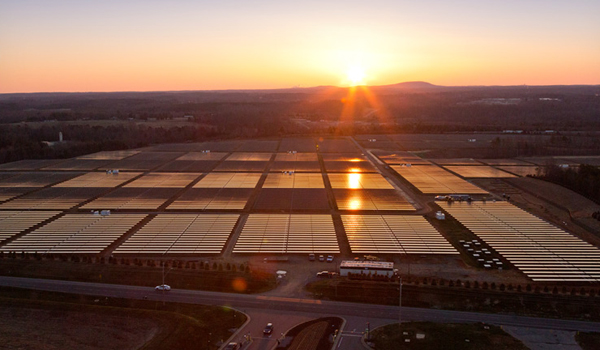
(354, 180)
(355, 204)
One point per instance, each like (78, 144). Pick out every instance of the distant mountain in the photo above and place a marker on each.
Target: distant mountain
(413, 85)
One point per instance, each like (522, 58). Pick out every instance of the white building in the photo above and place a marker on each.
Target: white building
(382, 268)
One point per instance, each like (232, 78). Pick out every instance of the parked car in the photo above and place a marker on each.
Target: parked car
(321, 258)
(329, 258)
(268, 329)
(326, 274)
(311, 257)
(162, 287)
(232, 346)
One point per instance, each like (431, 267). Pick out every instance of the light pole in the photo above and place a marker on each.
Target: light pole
(163, 279)
(400, 302)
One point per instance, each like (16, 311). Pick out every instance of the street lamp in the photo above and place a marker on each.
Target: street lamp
(400, 302)
(163, 279)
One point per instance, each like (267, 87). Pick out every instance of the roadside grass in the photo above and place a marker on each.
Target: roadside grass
(197, 279)
(444, 336)
(179, 326)
(561, 306)
(588, 340)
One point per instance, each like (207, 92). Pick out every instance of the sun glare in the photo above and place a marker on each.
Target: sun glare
(356, 76)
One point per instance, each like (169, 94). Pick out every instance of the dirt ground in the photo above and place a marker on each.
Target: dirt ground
(71, 330)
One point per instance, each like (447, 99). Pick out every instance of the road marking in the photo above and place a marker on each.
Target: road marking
(290, 300)
(351, 335)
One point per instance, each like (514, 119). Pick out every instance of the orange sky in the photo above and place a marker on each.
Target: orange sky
(189, 45)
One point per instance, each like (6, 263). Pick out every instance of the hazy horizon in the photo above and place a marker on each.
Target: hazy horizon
(69, 46)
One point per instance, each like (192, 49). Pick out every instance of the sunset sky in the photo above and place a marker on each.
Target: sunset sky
(126, 45)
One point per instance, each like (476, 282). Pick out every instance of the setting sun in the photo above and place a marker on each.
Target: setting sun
(356, 76)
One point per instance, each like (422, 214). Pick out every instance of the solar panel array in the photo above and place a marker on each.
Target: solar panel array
(212, 199)
(35, 179)
(296, 157)
(229, 180)
(249, 157)
(287, 233)
(181, 234)
(480, 171)
(99, 179)
(78, 164)
(433, 179)
(15, 222)
(539, 249)
(164, 180)
(522, 170)
(296, 180)
(402, 158)
(370, 200)
(394, 234)
(7, 193)
(456, 161)
(203, 156)
(110, 155)
(75, 233)
(359, 181)
(53, 198)
(132, 198)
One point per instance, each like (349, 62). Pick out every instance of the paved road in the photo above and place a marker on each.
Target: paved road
(295, 305)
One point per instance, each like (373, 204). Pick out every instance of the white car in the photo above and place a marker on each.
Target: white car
(162, 287)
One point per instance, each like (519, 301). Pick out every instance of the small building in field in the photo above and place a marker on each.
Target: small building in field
(381, 268)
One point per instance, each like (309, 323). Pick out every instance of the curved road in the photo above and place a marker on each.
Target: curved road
(286, 312)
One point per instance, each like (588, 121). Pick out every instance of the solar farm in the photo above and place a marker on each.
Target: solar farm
(277, 197)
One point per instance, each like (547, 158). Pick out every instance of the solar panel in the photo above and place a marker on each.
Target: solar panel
(394, 234)
(164, 180)
(249, 156)
(433, 179)
(212, 198)
(181, 234)
(53, 198)
(110, 155)
(99, 179)
(32, 179)
(15, 222)
(287, 233)
(75, 233)
(359, 181)
(370, 200)
(229, 180)
(527, 241)
(480, 171)
(132, 198)
(301, 180)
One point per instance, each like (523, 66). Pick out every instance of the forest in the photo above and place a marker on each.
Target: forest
(92, 122)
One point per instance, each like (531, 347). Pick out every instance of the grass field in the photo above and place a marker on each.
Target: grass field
(443, 336)
(588, 341)
(68, 321)
(197, 279)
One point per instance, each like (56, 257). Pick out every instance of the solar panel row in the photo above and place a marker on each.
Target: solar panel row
(435, 180)
(539, 249)
(75, 233)
(394, 234)
(181, 234)
(15, 222)
(280, 233)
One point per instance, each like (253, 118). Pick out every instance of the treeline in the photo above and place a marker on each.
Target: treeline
(584, 179)
(19, 141)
